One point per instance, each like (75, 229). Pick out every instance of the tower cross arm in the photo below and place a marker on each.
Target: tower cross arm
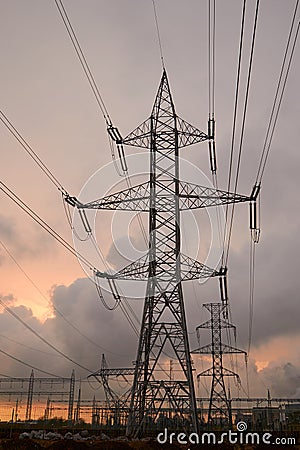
(187, 133)
(226, 372)
(136, 198)
(117, 372)
(194, 196)
(139, 269)
(191, 196)
(220, 349)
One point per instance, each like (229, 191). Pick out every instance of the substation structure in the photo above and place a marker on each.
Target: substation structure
(27, 399)
(164, 267)
(51, 403)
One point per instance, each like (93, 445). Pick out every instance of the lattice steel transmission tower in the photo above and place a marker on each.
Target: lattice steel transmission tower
(163, 332)
(115, 403)
(219, 405)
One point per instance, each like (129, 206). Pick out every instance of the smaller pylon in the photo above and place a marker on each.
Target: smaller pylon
(29, 397)
(219, 405)
(71, 397)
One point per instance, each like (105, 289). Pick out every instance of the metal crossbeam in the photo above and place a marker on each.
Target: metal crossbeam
(139, 270)
(187, 133)
(114, 372)
(191, 196)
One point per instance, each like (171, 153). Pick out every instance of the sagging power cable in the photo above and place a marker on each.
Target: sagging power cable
(283, 76)
(58, 238)
(29, 150)
(229, 231)
(28, 365)
(285, 67)
(9, 193)
(82, 59)
(158, 35)
(91, 81)
(237, 88)
(45, 341)
(113, 132)
(52, 306)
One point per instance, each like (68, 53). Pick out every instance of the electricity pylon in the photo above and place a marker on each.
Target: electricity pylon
(163, 333)
(219, 403)
(114, 401)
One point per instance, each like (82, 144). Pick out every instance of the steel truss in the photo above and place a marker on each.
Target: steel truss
(164, 267)
(32, 388)
(219, 404)
(102, 375)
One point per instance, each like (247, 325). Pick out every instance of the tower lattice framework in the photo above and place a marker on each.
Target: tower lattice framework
(219, 411)
(163, 333)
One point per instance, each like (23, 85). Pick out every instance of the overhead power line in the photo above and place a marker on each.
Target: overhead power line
(65, 244)
(84, 64)
(28, 346)
(242, 127)
(285, 69)
(45, 341)
(43, 224)
(278, 96)
(237, 88)
(28, 365)
(51, 304)
(29, 150)
(211, 56)
(158, 34)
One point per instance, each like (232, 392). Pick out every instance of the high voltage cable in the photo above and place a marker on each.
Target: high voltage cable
(211, 118)
(43, 224)
(234, 119)
(19, 319)
(28, 365)
(225, 253)
(28, 346)
(158, 34)
(265, 153)
(84, 64)
(59, 239)
(91, 80)
(278, 94)
(211, 56)
(11, 128)
(251, 292)
(51, 304)
(86, 68)
(62, 241)
(243, 126)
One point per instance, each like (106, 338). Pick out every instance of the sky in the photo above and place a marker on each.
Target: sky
(46, 96)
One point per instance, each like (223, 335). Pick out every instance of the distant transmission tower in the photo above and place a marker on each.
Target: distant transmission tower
(219, 405)
(163, 334)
